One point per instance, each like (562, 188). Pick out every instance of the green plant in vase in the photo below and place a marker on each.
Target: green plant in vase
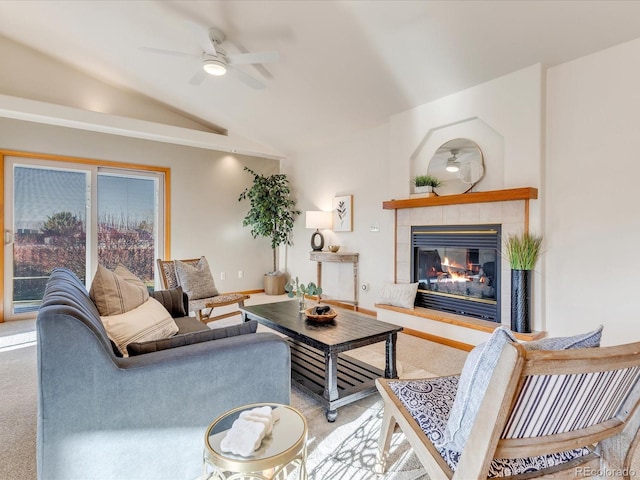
(300, 290)
(425, 183)
(522, 252)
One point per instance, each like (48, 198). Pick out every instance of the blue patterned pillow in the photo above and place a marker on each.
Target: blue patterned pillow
(585, 340)
(473, 384)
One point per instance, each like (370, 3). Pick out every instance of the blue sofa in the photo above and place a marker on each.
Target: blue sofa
(141, 417)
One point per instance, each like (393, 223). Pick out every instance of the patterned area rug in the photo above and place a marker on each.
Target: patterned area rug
(346, 449)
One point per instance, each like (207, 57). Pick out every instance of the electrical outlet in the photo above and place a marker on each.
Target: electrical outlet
(374, 228)
(240, 274)
(223, 276)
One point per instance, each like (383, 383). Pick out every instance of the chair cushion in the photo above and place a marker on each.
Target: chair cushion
(149, 321)
(172, 300)
(140, 348)
(477, 371)
(117, 292)
(398, 294)
(429, 402)
(196, 280)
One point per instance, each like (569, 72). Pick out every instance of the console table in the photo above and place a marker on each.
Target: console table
(338, 257)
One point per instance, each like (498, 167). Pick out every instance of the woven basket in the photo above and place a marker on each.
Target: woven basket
(326, 317)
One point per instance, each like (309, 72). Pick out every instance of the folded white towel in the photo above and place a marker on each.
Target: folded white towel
(246, 434)
(243, 438)
(261, 414)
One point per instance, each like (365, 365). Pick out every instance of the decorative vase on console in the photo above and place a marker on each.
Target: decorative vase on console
(522, 251)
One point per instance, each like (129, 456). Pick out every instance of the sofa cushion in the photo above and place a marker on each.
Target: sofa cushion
(172, 300)
(190, 324)
(398, 294)
(196, 280)
(139, 348)
(149, 321)
(117, 292)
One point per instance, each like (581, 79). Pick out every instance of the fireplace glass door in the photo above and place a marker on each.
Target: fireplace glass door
(457, 269)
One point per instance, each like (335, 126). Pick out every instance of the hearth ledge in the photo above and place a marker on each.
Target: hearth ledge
(448, 328)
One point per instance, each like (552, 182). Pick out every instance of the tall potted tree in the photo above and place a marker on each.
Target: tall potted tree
(272, 214)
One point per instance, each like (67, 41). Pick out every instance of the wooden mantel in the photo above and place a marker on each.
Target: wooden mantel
(525, 193)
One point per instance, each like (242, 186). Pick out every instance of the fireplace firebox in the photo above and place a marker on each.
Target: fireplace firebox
(457, 268)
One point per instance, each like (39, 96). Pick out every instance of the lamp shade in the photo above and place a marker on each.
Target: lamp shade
(318, 219)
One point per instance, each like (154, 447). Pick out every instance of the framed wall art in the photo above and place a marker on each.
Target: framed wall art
(343, 213)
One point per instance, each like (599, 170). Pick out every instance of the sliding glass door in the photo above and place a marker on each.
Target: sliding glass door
(127, 222)
(49, 229)
(76, 216)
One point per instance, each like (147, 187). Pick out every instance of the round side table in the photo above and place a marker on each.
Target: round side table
(279, 454)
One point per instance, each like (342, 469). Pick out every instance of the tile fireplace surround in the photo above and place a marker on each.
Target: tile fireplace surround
(510, 208)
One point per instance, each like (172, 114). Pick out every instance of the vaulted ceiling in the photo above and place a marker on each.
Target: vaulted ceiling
(344, 66)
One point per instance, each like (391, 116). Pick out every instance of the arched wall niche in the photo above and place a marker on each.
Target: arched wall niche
(486, 137)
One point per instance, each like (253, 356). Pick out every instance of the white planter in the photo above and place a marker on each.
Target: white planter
(423, 191)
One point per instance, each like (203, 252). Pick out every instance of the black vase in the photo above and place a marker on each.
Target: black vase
(521, 301)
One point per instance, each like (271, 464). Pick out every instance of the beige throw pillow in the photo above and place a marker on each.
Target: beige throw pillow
(118, 291)
(149, 321)
(398, 294)
(196, 280)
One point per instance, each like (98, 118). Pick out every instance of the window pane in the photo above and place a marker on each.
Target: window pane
(50, 230)
(127, 223)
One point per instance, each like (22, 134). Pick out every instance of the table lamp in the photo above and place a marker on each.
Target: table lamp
(319, 220)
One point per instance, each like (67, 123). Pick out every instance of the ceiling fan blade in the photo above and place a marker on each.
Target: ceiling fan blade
(202, 36)
(247, 79)
(198, 78)
(255, 57)
(168, 52)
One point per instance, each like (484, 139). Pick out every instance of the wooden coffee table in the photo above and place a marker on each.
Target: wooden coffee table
(316, 364)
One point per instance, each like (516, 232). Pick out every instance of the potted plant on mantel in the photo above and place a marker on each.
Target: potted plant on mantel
(424, 185)
(522, 252)
(271, 214)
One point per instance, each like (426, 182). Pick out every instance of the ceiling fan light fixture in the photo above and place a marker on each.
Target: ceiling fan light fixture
(214, 66)
(452, 162)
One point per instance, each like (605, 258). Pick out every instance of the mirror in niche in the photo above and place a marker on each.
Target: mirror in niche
(458, 164)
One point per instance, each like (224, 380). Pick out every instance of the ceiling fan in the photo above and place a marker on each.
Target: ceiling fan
(215, 60)
(453, 165)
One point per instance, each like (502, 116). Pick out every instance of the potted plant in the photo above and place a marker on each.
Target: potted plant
(425, 184)
(300, 290)
(522, 252)
(272, 214)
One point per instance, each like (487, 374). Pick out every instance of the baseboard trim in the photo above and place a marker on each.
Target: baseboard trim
(441, 340)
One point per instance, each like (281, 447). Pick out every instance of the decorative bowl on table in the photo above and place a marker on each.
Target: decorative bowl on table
(320, 316)
(334, 248)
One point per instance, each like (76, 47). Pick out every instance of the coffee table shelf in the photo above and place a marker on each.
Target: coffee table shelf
(356, 379)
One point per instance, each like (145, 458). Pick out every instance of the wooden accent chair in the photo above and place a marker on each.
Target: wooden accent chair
(203, 308)
(553, 414)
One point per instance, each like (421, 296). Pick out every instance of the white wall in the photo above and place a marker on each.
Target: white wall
(357, 166)
(206, 217)
(593, 221)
